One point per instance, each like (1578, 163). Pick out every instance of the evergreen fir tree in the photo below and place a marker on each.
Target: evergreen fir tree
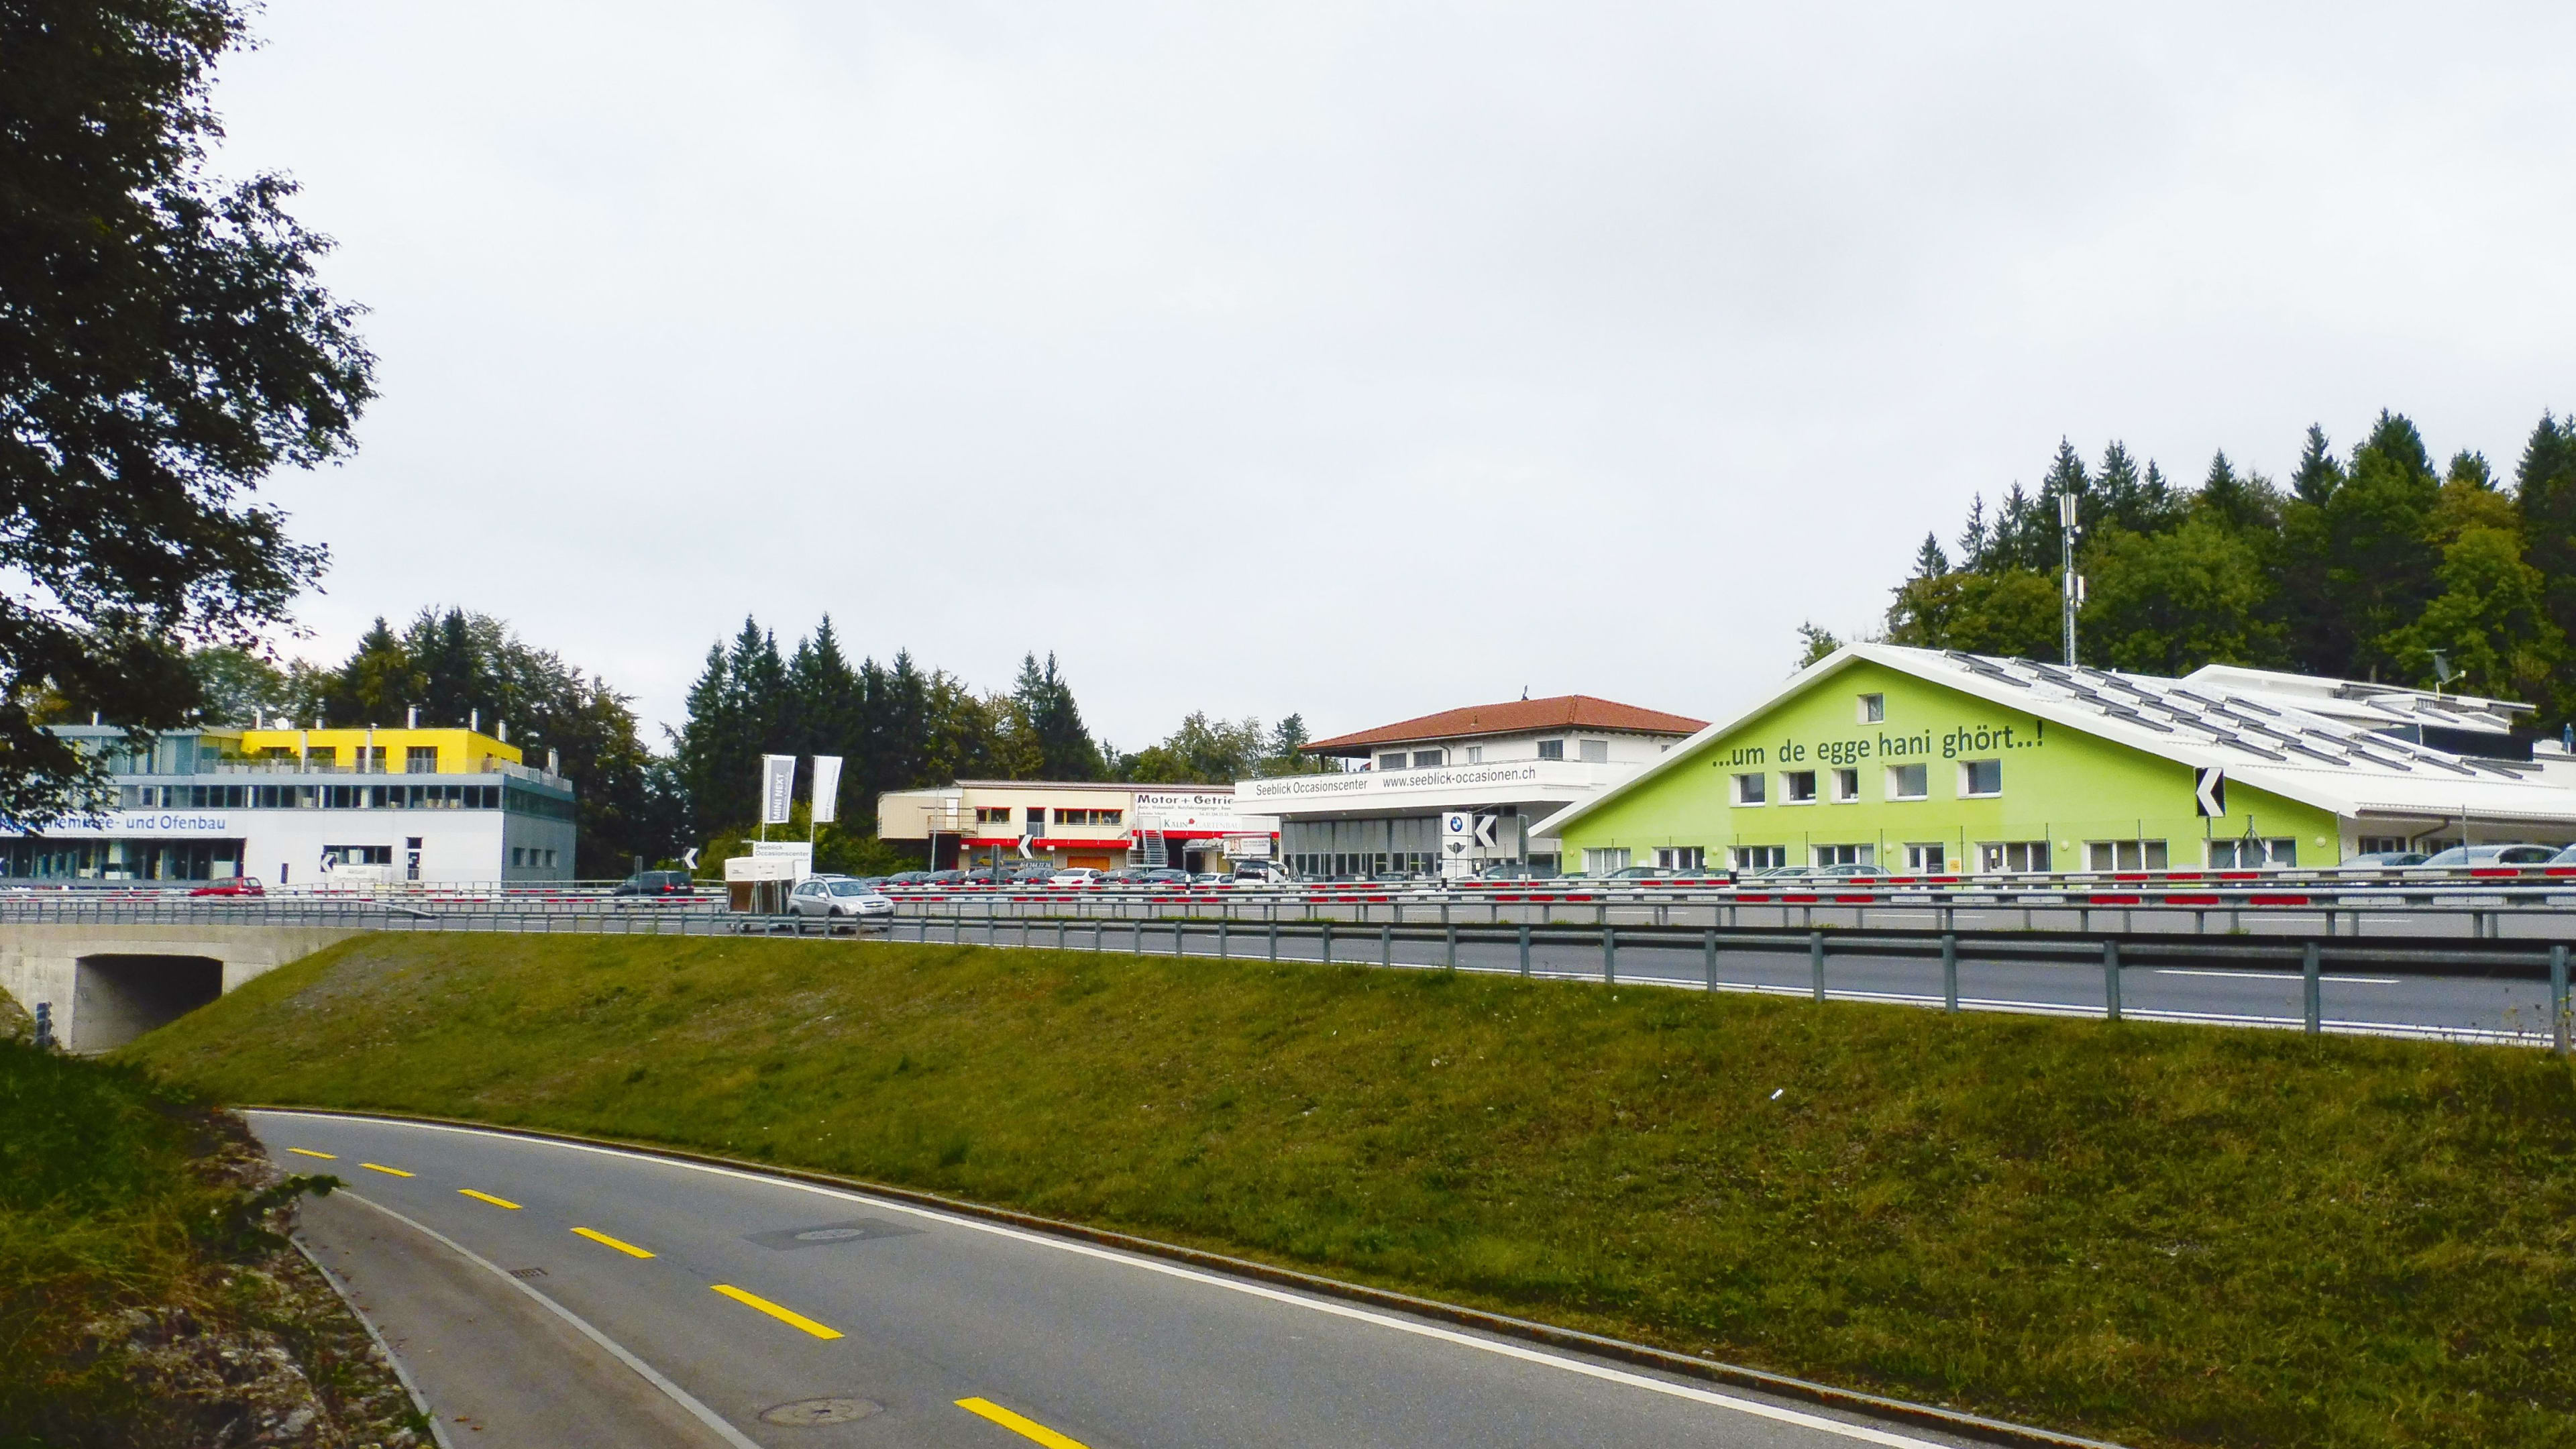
(1064, 747)
(2545, 495)
(2117, 493)
(1974, 540)
(1929, 561)
(2318, 474)
(2015, 521)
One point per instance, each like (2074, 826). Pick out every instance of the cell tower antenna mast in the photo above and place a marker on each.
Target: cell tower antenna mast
(2073, 585)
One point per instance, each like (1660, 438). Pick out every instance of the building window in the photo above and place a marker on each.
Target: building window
(2249, 853)
(1429, 759)
(1798, 787)
(1607, 861)
(1475, 754)
(1928, 858)
(1596, 752)
(1873, 709)
(1682, 857)
(1752, 789)
(2124, 855)
(1909, 782)
(2013, 857)
(1846, 786)
(1843, 854)
(2379, 845)
(1391, 761)
(1551, 749)
(358, 854)
(992, 814)
(1981, 777)
(1761, 857)
(1089, 817)
(420, 760)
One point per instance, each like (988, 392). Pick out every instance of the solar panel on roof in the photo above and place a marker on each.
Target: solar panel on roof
(2122, 711)
(1992, 670)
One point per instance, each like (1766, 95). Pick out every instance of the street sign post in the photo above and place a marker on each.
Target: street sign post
(2209, 791)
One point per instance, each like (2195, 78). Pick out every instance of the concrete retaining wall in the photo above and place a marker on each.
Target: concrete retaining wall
(110, 984)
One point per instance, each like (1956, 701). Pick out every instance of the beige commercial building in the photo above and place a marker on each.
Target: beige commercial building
(1076, 824)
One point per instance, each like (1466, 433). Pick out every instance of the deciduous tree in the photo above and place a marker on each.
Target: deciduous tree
(165, 344)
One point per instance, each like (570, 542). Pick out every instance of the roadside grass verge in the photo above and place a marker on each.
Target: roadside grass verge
(146, 1296)
(2158, 1234)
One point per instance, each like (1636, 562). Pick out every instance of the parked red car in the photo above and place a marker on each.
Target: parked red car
(243, 885)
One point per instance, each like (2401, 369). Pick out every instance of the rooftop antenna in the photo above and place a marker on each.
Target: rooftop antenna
(1524, 691)
(2442, 671)
(2073, 583)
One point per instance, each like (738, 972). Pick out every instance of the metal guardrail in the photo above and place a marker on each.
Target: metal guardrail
(1373, 942)
(2315, 960)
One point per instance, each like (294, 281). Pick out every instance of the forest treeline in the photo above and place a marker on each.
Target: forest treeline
(895, 725)
(2378, 564)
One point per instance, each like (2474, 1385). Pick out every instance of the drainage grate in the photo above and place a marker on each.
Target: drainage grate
(806, 1413)
(527, 1272)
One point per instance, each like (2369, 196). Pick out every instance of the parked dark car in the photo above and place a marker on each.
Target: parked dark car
(656, 883)
(944, 878)
(906, 878)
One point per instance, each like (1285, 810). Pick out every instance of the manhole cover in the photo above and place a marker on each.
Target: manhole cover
(527, 1272)
(824, 1234)
(806, 1413)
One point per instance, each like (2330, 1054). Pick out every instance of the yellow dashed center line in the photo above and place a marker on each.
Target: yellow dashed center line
(1026, 1428)
(629, 1249)
(487, 1197)
(783, 1315)
(380, 1167)
(309, 1152)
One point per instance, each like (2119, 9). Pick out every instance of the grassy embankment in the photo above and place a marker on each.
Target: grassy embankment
(2168, 1235)
(146, 1296)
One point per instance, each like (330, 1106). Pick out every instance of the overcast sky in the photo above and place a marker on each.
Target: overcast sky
(1360, 360)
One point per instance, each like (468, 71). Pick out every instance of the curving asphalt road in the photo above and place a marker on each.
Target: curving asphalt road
(551, 1294)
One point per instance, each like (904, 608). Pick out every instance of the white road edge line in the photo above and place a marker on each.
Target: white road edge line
(616, 1350)
(1754, 1407)
(419, 1400)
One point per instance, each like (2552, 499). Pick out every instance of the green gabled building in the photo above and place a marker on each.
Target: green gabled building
(1931, 762)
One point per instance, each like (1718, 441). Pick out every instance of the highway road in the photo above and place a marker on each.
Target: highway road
(2507, 1009)
(550, 1294)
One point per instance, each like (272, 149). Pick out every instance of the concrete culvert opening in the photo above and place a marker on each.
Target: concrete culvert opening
(118, 998)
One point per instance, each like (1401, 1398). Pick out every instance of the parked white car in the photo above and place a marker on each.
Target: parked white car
(839, 897)
(1078, 875)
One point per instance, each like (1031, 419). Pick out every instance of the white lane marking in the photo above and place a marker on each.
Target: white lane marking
(616, 1350)
(1172, 1270)
(2275, 976)
(419, 1400)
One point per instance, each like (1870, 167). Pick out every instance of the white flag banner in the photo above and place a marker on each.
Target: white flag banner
(827, 789)
(777, 788)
